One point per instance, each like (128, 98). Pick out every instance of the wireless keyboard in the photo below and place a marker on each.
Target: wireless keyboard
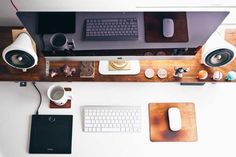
(111, 29)
(112, 118)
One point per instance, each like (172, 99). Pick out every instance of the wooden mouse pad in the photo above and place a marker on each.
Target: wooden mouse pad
(159, 123)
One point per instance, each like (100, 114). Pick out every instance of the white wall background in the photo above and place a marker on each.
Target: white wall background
(8, 14)
(8, 17)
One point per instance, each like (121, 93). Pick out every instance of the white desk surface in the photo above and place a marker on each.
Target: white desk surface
(215, 111)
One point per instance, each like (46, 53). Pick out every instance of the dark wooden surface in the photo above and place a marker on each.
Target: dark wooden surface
(37, 73)
(159, 123)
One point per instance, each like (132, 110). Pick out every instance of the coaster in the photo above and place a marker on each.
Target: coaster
(162, 73)
(66, 105)
(149, 73)
(159, 123)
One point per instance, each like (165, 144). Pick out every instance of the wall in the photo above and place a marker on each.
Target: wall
(8, 17)
(8, 14)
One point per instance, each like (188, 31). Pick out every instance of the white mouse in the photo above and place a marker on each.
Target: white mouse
(168, 27)
(174, 119)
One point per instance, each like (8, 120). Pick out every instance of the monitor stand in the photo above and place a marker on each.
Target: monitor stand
(119, 67)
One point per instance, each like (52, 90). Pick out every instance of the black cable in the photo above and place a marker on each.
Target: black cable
(13, 5)
(40, 98)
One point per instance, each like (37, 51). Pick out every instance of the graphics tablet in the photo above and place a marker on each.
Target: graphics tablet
(51, 134)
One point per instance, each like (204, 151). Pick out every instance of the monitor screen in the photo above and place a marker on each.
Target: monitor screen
(190, 30)
(54, 22)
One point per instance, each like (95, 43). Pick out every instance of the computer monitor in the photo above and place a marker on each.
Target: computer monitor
(191, 29)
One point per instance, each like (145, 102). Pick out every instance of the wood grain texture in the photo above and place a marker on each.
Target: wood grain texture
(159, 123)
(66, 105)
(38, 73)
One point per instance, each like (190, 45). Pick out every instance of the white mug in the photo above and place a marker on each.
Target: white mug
(58, 95)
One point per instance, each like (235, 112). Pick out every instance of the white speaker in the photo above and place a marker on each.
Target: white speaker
(21, 54)
(217, 52)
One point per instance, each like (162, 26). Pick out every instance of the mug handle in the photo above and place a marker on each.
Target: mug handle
(69, 94)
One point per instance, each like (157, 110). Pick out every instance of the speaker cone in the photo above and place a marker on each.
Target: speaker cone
(20, 59)
(219, 57)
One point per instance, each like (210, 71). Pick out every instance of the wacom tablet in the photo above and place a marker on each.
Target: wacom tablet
(51, 134)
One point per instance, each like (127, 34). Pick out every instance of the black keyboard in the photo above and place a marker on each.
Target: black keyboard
(114, 29)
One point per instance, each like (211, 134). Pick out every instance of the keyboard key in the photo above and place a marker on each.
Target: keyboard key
(111, 129)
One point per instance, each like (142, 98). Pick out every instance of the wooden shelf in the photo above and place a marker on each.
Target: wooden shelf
(38, 73)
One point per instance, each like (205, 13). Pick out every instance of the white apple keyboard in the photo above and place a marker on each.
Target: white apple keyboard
(174, 119)
(112, 118)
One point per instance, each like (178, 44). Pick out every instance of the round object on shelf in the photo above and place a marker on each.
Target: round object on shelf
(149, 73)
(202, 75)
(217, 75)
(162, 73)
(231, 76)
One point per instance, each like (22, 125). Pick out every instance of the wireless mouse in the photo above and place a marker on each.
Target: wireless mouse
(174, 118)
(168, 27)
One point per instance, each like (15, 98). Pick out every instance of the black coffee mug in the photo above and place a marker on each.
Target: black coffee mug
(59, 42)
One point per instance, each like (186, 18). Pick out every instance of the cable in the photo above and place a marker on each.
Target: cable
(40, 98)
(13, 5)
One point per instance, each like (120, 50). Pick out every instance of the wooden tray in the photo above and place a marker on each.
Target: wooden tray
(159, 123)
(66, 105)
(154, 28)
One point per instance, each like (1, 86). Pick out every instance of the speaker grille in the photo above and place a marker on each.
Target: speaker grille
(20, 59)
(219, 57)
